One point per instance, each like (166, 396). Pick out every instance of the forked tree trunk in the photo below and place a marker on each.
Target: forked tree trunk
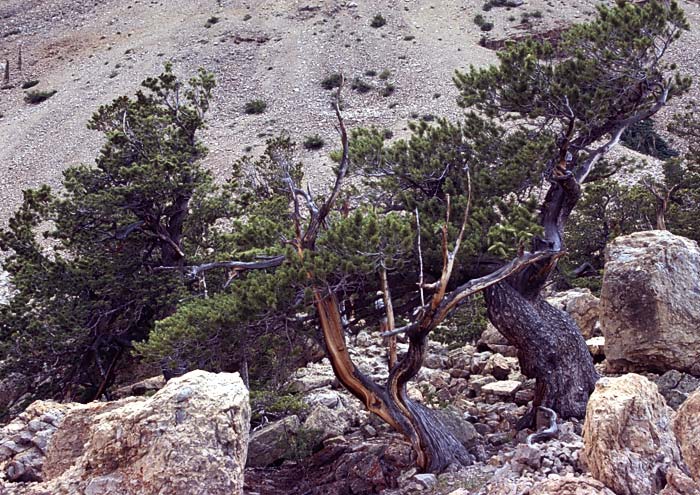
(435, 446)
(550, 346)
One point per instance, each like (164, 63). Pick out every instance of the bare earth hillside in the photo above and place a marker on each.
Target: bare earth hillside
(278, 51)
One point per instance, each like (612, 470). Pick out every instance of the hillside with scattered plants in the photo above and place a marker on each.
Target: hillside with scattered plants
(389, 246)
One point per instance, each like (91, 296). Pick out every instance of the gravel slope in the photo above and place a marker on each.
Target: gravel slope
(91, 52)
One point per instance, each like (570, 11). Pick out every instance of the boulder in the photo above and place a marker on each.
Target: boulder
(676, 386)
(503, 390)
(570, 485)
(650, 303)
(686, 426)
(582, 306)
(628, 442)
(148, 386)
(678, 483)
(492, 340)
(323, 423)
(312, 376)
(273, 442)
(190, 437)
(24, 441)
(500, 367)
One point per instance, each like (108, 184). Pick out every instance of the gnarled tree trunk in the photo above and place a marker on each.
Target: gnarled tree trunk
(435, 446)
(550, 345)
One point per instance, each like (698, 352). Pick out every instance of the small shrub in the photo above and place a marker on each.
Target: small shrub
(385, 74)
(479, 20)
(370, 73)
(332, 81)
(487, 26)
(378, 21)
(387, 133)
(409, 37)
(255, 107)
(487, 6)
(247, 17)
(336, 155)
(388, 89)
(36, 97)
(29, 84)
(360, 85)
(211, 21)
(314, 142)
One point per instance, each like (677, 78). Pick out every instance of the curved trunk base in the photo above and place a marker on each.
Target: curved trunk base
(435, 446)
(550, 347)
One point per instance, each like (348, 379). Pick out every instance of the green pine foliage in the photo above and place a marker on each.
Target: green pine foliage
(103, 272)
(591, 78)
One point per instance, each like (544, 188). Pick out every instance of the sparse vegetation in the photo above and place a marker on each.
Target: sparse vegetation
(360, 85)
(388, 89)
(38, 96)
(211, 21)
(254, 107)
(29, 84)
(332, 81)
(378, 21)
(384, 74)
(314, 142)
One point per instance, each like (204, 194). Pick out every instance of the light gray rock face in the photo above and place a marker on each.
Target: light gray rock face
(273, 442)
(5, 286)
(627, 437)
(582, 306)
(686, 426)
(190, 437)
(650, 303)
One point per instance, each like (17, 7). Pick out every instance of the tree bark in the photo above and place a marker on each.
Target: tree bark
(435, 446)
(550, 346)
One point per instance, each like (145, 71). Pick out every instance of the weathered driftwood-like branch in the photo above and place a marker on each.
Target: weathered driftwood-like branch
(194, 271)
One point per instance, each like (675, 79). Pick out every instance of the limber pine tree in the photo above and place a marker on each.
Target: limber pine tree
(105, 274)
(435, 444)
(604, 76)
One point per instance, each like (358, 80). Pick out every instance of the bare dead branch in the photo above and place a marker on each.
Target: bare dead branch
(194, 271)
(318, 219)
(420, 261)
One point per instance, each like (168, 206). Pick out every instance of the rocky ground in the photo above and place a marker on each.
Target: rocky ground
(640, 435)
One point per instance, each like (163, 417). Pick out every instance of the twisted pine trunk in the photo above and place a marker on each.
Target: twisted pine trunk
(435, 446)
(550, 346)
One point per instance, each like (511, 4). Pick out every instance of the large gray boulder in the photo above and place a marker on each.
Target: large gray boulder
(190, 437)
(650, 303)
(582, 306)
(627, 437)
